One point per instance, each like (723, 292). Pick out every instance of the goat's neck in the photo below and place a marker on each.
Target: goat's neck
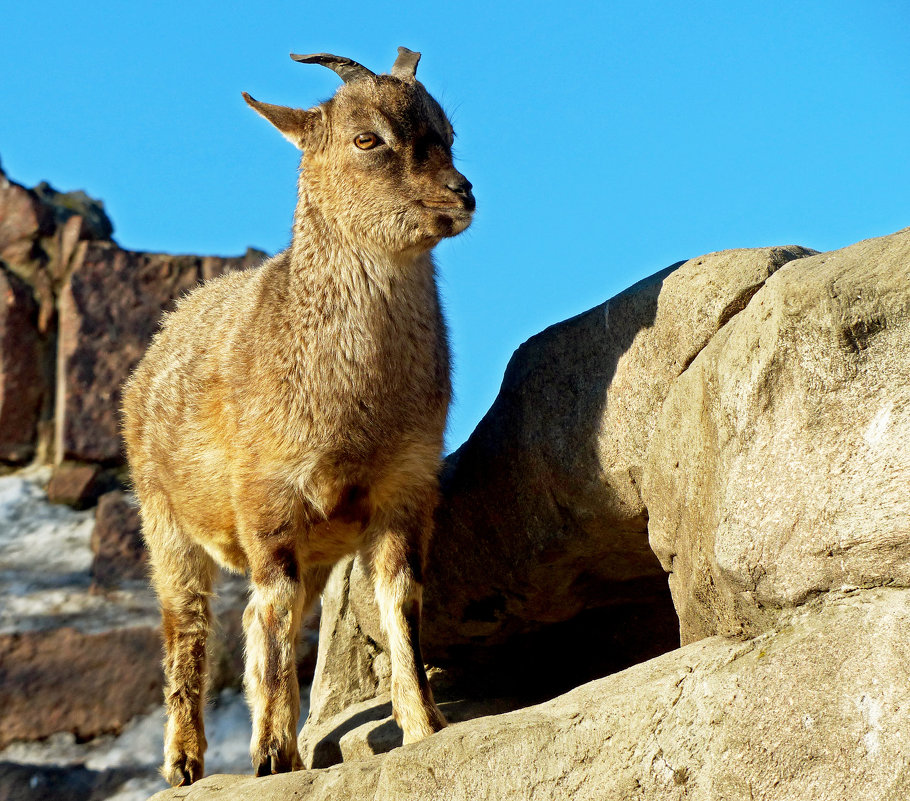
(323, 255)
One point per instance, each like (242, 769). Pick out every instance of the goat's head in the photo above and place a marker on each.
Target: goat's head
(377, 157)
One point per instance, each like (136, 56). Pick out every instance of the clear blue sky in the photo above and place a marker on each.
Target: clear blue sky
(605, 140)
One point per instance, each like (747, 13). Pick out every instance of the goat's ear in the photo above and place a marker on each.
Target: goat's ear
(299, 126)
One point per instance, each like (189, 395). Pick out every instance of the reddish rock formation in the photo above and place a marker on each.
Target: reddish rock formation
(75, 485)
(119, 552)
(21, 381)
(76, 681)
(110, 308)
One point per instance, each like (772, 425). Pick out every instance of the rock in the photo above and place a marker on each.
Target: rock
(780, 464)
(815, 710)
(52, 783)
(213, 266)
(541, 548)
(22, 382)
(73, 659)
(23, 219)
(110, 308)
(91, 673)
(95, 223)
(368, 728)
(119, 552)
(75, 485)
(85, 682)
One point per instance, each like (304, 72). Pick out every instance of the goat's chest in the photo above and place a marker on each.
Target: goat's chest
(363, 382)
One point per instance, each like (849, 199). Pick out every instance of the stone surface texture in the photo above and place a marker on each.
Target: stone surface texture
(22, 382)
(23, 219)
(780, 465)
(119, 554)
(541, 537)
(76, 485)
(85, 682)
(816, 710)
(91, 672)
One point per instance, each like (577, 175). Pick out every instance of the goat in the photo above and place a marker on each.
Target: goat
(291, 414)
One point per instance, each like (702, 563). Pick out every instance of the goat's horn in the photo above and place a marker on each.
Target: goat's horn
(405, 65)
(347, 69)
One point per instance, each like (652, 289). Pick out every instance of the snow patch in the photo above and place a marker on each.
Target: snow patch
(41, 542)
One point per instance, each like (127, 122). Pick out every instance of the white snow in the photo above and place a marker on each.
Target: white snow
(37, 538)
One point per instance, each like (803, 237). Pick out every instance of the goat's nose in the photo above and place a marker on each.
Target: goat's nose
(462, 187)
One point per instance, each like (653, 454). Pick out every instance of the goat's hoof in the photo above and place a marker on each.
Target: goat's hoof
(182, 771)
(271, 763)
(437, 719)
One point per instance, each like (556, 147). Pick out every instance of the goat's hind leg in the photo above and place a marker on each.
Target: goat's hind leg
(182, 574)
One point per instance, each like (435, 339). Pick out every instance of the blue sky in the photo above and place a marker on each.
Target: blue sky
(605, 140)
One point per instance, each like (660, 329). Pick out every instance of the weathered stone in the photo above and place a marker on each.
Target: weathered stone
(70, 680)
(541, 537)
(23, 219)
(368, 728)
(66, 239)
(781, 463)
(110, 307)
(817, 711)
(119, 552)
(213, 266)
(75, 485)
(95, 224)
(90, 672)
(22, 382)
(109, 310)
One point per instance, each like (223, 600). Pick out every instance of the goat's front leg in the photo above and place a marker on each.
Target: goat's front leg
(397, 562)
(282, 591)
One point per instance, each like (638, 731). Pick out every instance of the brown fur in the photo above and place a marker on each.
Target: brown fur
(289, 415)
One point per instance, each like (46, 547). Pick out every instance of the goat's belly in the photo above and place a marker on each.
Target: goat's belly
(327, 542)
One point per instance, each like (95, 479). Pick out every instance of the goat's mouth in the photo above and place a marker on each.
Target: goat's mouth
(446, 205)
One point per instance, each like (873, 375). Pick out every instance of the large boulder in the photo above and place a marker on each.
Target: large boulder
(780, 464)
(816, 710)
(541, 551)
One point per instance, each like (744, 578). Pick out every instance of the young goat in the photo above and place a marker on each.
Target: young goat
(288, 415)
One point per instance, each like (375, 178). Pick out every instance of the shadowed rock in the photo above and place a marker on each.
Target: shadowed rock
(22, 383)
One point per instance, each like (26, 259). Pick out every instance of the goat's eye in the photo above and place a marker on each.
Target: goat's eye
(366, 141)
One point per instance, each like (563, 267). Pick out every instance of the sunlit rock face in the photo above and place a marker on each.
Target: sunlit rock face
(780, 464)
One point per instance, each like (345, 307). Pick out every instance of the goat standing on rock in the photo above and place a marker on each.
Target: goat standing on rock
(289, 415)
